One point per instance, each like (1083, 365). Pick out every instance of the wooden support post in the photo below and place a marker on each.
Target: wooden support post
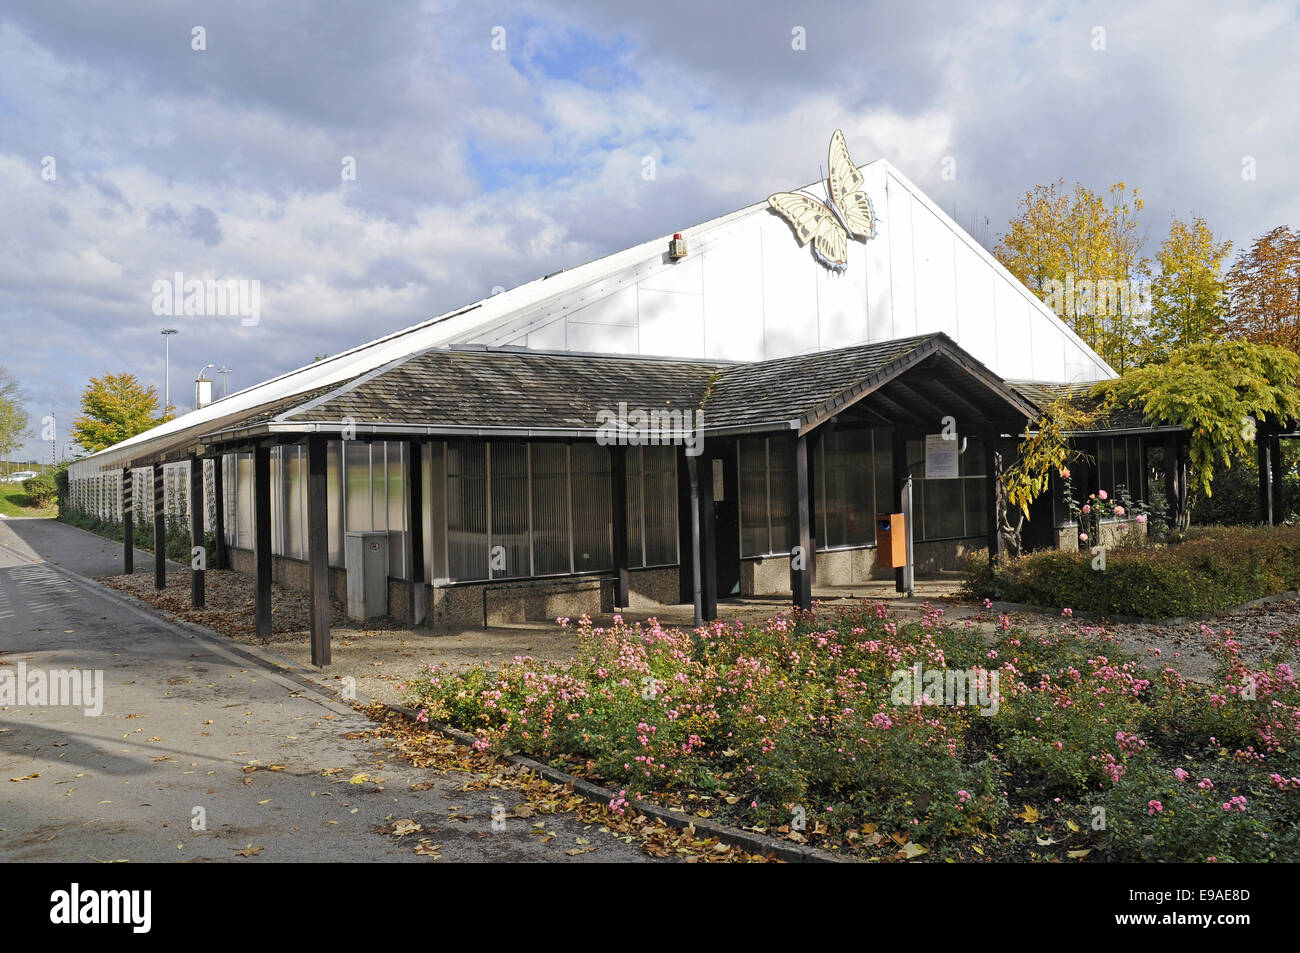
(220, 557)
(198, 561)
(128, 521)
(159, 530)
(618, 479)
(800, 516)
(318, 549)
(262, 539)
(415, 601)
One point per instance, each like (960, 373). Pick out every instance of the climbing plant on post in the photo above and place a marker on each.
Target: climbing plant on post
(1044, 450)
(1217, 391)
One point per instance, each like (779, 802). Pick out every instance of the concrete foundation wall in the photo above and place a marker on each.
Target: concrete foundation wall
(502, 603)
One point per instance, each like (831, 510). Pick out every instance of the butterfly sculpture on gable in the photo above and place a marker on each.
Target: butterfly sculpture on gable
(829, 225)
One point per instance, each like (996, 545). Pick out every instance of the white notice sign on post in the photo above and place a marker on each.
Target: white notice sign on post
(941, 456)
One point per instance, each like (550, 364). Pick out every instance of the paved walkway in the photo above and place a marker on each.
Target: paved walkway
(184, 719)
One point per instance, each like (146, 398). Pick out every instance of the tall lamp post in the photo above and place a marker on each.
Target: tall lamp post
(167, 374)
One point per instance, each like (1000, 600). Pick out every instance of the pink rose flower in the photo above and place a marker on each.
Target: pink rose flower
(1087, 508)
(1083, 537)
(1141, 518)
(1101, 494)
(1119, 511)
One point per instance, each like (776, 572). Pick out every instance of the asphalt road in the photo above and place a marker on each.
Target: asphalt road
(183, 717)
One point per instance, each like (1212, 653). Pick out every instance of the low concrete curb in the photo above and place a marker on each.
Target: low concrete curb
(750, 841)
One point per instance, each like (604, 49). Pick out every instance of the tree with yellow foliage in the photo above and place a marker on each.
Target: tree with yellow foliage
(1081, 253)
(1189, 294)
(115, 407)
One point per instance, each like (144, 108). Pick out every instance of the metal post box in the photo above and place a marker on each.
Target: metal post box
(365, 554)
(891, 540)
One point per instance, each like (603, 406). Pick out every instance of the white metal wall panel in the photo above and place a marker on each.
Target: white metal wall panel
(1012, 333)
(936, 294)
(733, 297)
(974, 302)
(672, 324)
(789, 292)
(902, 275)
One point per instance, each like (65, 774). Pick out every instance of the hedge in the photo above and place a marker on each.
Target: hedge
(1214, 569)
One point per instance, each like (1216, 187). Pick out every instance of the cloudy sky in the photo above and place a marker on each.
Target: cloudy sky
(478, 167)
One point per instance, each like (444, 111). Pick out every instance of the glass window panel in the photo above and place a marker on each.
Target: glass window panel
(356, 473)
(883, 460)
(550, 492)
(976, 510)
(295, 470)
(334, 499)
(435, 513)
(1120, 446)
(244, 507)
(1105, 465)
(753, 496)
(395, 492)
(942, 514)
(509, 470)
(277, 500)
(467, 510)
(849, 490)
(660, 464)
(779, 454)
(590, 505)
(635, 509)
(972, 461)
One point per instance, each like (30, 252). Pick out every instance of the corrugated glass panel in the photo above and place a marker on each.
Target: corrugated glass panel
(435, 513)
(334, 499)
(635, 509)
(356, 473)
(467, 510)
(550, 493)
(660, 493)
(509, 469)
(590, 503)
(395, 494)
(754, 539)
(883, 467)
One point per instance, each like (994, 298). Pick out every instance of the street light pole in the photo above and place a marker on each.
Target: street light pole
(167, 374)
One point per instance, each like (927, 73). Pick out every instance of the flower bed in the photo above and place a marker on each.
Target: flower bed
(833, 728)
(1214, 569)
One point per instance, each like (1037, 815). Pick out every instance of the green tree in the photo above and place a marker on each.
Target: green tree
(1081, 253)
(1189, 293)
(1216, 390)
(114, 408)
(13, 416)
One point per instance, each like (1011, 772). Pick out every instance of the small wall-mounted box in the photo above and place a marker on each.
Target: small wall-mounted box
(677, 248)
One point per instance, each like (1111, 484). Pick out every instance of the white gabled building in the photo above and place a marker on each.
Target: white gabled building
(472, 439)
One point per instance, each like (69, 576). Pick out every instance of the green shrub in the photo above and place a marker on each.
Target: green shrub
(42, 490)
(1212, 570)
